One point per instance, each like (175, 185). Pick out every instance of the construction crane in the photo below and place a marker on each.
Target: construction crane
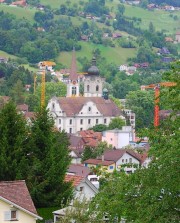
(156, 88)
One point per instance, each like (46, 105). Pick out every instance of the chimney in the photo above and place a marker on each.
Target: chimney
(102, 158)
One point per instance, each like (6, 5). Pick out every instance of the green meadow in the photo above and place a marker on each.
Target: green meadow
(115, 55)
(20, 13)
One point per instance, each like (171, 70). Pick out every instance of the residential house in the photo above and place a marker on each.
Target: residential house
(90, 137)
(131, 70)
(169, 39)
(164, 51)
(23, 108)
(3, 60)
(105, 165)
(123, 67)
(119, 158)
(21, 3)
(118, 138)
(84, 38)
(83, 188)
(166, 59)
(116, 35)
(86, 172)
(131, 116)
(16, 203)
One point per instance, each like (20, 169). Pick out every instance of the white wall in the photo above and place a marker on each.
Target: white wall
(125, 159)
(22, 216)
(87, 192)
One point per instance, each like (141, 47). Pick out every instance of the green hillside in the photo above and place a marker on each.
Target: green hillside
(115, 55)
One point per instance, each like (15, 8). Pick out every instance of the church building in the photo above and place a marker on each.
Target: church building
(75, 113)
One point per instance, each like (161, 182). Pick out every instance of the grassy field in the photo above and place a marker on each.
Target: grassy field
(160, 19)
(27, 66)
(116, 55)
(27, 13)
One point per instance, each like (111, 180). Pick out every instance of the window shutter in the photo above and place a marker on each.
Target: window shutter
(7, 215)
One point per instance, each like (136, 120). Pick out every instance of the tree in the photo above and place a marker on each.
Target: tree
(116, 123)
(99, 128)
(142, 104)
(88, 153)
(13, 133)
(153, 191)
(48, 162)
(17, 92)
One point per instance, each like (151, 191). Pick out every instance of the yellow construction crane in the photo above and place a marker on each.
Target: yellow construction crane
(43, 67)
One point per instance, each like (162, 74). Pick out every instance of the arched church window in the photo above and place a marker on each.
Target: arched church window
(97, 88)
(73, 90)
(88, 88)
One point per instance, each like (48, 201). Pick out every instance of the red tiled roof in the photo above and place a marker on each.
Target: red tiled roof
(76, 180)
(79, 169)
(30, 115)
(99, 162)
(23, 107)
(90, 137)
(17, 192)
(115, 155)
(74, 105)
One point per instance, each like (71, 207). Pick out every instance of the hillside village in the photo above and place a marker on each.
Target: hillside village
(95, 139)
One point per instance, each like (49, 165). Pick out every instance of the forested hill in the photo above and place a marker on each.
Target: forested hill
(175, 3)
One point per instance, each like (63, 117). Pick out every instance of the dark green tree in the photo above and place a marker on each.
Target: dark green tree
(153, 191)
(48, 162)
(13, 134)
(116, 123)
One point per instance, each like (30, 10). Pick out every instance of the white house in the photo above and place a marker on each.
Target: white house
(83, 188)
(123, 157)
(16, 203)
(119, 138)
(123, 67)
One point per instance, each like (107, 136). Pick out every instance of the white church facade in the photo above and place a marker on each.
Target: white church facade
(75, 113)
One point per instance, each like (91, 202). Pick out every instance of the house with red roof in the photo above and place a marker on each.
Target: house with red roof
(116, 159)
(16, 203)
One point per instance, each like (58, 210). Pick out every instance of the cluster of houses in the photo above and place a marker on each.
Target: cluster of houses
(130, 70)
(76, 114)
(162, 7)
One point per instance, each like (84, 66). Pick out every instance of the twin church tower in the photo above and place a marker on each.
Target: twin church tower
(92, 82)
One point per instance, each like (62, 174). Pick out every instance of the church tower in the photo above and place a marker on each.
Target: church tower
(73, 82)
(93, 83)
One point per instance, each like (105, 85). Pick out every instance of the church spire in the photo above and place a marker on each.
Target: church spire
(73, 71)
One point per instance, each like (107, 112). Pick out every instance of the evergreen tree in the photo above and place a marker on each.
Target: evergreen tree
(48, 162)
(13, 133)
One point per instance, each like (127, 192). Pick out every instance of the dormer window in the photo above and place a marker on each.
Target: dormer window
(73, 90)
(89, 109)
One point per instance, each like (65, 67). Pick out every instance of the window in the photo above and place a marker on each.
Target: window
(81, 121)
(97, 120)
(73, 90)
(88, 88)
(89, 121)
(60, 129)
(97, 88)
(89, 109)
(130, 160)
(81, 188)
(59, 121)
(81, 129)
(105, 121)
(53, 106)
(10, 215)
(70, 121)
(122, 160)
(126, 160)
(111, 167)
(70, 130)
